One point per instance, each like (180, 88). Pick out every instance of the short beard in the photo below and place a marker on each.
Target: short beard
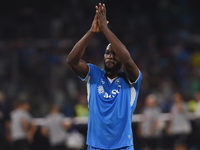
(113, 69)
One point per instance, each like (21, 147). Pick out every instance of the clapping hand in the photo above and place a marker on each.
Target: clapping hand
(100, 22)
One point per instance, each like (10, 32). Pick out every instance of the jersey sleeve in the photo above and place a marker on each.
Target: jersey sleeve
(135, 86)
(26, 116)
(137, 83)
(94, 71)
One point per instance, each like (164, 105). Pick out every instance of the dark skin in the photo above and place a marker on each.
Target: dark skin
(115, 52)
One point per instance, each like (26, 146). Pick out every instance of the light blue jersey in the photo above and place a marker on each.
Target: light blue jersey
(111, 105)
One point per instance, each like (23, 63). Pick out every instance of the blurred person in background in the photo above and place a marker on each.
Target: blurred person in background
(197, 109)
(194, 104)
(55, 128)
(81, 108)
(21, 128)
(194, 107)
(150, 129)
(197, 121)
(179, 126)
(112, 91)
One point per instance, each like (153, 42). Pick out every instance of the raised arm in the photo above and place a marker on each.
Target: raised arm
(79, 66)
(129, 66)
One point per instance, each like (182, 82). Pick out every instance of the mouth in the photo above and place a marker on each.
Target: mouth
(110, 62)
(112, 66)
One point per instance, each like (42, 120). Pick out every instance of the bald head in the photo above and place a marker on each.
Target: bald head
(108, 46)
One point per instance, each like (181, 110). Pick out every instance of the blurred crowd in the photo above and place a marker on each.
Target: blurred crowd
(162, 36)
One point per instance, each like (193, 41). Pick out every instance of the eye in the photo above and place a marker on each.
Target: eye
(107, 53)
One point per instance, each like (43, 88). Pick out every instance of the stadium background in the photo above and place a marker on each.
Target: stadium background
(36, 37)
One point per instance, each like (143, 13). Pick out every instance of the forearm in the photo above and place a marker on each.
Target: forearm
(33, 129)
(78, 50)
(117, 46)
(44, 131)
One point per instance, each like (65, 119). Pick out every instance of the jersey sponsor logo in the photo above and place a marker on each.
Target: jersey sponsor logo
(113, 94)
(105, 94)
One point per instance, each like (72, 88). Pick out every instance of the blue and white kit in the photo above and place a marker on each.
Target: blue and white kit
(111, 105)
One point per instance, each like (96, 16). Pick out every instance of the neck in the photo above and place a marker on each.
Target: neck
(112, 75)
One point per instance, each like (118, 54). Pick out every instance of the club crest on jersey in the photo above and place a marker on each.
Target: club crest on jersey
(117, 81)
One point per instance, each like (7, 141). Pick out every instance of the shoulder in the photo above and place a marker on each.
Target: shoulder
(139, 77)
(26, 114)
(94, 72)
(94, 67)
(18, 112)
(61, 115)
(136, 83)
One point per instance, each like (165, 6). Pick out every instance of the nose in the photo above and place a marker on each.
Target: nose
(110, 55)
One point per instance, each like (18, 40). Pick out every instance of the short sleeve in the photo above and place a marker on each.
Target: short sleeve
(137, 83)
(135, 86)
(94, 71)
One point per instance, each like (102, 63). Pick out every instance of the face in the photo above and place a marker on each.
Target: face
(111, 61)
(150, 101)
(177, 98)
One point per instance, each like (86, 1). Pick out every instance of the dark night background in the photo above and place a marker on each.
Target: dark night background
(162, 36)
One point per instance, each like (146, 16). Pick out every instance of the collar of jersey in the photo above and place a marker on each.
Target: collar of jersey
(110, 83)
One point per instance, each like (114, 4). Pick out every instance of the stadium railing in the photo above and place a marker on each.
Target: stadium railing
(135, 118)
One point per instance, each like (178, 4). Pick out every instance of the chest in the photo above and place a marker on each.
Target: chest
(109, 89)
